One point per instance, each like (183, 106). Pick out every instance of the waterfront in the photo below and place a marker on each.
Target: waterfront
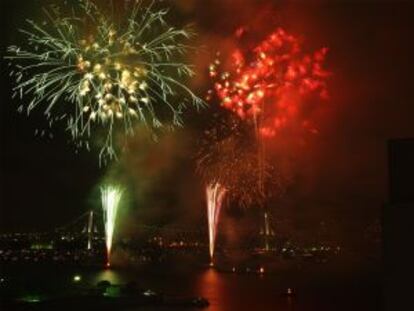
(339, 285)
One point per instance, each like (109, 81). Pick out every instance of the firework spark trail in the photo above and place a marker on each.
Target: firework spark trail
(95, 73)
(231, 161)
(215, 195)
(111, 197)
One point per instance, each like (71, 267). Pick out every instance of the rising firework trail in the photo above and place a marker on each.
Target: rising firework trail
(215, 195)
(111, 197)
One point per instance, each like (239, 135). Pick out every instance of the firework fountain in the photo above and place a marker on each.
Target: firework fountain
(215, 195)
(111, 196)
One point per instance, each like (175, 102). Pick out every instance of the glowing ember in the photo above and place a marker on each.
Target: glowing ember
(111, 197)
(270, 81)
(215, 195)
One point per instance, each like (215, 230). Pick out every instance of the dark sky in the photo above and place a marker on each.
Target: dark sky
(343, 171)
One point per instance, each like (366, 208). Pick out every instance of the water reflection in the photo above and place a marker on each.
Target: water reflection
(210, 284)
(241, 292)
(225, 291)
(290, 303)
(108, 275)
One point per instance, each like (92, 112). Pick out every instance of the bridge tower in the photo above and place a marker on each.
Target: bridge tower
(266, 232)
(90, 229)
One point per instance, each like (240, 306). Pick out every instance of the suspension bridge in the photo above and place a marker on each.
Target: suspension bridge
(90, 225)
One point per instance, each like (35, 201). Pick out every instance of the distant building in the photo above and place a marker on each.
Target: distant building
(401, 171)
(398, 226)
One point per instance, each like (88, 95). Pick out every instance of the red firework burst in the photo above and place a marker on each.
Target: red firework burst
(271, 81)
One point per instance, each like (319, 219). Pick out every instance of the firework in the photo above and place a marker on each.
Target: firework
(267, 88)
(99, 75)
(269, 82)
(239, 172)
(215, 194)
(228, 154)
(111, 197)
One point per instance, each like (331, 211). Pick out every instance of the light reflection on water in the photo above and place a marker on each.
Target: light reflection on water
(225, 291)
(210, 284)
(108, 275)
(228, 292)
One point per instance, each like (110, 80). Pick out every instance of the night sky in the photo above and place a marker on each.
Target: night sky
(342, 172)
